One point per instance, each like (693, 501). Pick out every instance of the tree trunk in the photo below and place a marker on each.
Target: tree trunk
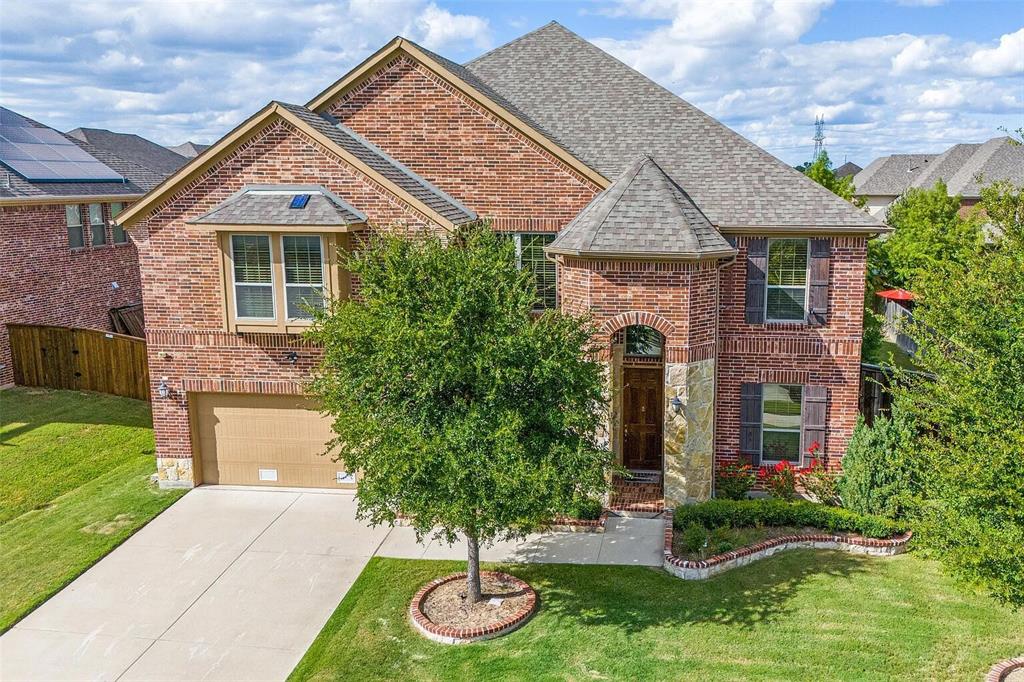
(473, 572)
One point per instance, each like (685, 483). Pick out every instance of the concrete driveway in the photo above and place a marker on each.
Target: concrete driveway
(235, 584)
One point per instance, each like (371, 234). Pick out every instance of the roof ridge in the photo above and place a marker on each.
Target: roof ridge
(514, 41)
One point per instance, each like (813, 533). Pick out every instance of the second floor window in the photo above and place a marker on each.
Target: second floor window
(73, 217)
(530, 255)
(786, 291)
(278, 280)
(120, 236)
(96, 226)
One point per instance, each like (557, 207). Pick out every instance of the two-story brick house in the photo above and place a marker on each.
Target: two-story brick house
(727, 287)
(63, 261)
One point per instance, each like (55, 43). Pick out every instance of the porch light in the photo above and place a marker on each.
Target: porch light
(163, 390)
(677, 404)
(292, 357)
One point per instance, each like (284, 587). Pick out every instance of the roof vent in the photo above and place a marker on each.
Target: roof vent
(299, 201)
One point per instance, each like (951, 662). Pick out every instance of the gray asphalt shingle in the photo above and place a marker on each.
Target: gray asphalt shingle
(606, 113)
(891, 175)
(643, 212)
(271, 205)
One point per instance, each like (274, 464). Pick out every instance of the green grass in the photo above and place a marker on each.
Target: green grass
(74, 481)
(800, 615)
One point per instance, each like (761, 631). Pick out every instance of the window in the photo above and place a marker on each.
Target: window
(303, 275)
(780, 422)
(120, 236)
(73, 216)
(96, 226)
(253, 276)
(786, 299)
(643, 341)
(530, 255)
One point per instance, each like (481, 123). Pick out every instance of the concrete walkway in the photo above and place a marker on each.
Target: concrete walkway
(236, 583)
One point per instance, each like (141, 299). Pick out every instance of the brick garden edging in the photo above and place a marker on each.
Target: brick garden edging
(1000, 671)
(446, 634)
(566, 525)
(701, 570)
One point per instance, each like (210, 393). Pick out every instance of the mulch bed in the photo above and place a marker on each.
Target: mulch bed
(441, 613)
(447, 604)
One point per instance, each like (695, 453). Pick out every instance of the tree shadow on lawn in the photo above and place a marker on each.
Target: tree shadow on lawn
(634, 598)
(25, 408)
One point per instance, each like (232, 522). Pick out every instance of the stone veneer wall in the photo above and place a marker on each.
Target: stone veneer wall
(689, 435)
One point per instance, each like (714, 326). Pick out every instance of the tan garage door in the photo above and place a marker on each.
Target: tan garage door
(264, 440)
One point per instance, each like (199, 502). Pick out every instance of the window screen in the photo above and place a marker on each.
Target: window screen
(781, 408)
(96, 226)
(73, 215)
(303, 275)
(530, 249)
(253, 276)
(787, 280)
(120, 236)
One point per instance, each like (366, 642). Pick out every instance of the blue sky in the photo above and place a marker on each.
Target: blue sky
(888, 75)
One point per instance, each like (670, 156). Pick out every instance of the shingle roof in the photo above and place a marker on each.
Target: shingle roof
(891, 175)
(132, 148)
(139, 179)
(378, 160)
(642, 213)
(270, 205)
(606, 113)
(189, 150)
(960, 167)
(848, 168)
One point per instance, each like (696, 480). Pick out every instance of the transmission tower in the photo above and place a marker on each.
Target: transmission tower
(819, 136)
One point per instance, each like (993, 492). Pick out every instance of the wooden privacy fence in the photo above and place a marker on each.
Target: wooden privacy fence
(79, 359)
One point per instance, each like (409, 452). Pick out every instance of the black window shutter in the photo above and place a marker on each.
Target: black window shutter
(757, 269)
(812, 421)
(821, 252)
(750, 423)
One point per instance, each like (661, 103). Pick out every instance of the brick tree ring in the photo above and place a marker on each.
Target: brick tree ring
(1006, 671)
(448, 634)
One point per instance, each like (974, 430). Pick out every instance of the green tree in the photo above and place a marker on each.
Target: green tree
(928, 232)
(880, 468)
(463, 412)
(820, 170)
(969, 324)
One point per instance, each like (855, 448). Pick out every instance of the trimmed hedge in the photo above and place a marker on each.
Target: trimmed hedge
(744, 513)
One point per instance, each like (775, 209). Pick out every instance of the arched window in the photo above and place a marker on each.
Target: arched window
(643, 341)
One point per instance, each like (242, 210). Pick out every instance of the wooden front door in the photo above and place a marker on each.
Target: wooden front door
(643, 394)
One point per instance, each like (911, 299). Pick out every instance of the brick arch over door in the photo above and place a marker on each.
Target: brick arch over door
(628, 319)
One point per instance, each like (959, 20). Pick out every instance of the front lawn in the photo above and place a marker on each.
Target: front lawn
(74, 481)
(799, 615)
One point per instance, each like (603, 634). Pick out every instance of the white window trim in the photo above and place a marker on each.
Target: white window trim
(235, 284)
(284, 278)
(799, 430)
(806, 287)
(518, 236)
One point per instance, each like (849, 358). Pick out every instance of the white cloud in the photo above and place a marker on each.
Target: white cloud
(439, 27)
(1004, 60)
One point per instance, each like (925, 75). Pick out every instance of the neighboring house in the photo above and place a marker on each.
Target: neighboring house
(728, 288)
(62, 259)
(848, 168)
(965, 168)
(189, 149)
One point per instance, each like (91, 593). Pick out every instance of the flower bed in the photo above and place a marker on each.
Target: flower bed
(447, 633)
(817, 527)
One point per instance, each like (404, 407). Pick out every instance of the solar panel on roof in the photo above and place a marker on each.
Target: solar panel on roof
(44, 155)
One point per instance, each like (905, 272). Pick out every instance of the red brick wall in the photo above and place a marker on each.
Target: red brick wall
(187, 338)
(42, 281)
(779, 353)
(454, 143)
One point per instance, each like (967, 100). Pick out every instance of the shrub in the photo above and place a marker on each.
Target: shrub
(879, 471)
(695, 538)
(780, 480)
(747, 513)
(734, 481)
(586, 509)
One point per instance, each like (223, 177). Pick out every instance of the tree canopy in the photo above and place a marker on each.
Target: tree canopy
(462, 409)
(969, 324)
(820, 170)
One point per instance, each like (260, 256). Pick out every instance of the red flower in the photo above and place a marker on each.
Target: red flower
(815, 446)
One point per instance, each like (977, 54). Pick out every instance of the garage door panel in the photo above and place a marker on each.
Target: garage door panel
(238, 435)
